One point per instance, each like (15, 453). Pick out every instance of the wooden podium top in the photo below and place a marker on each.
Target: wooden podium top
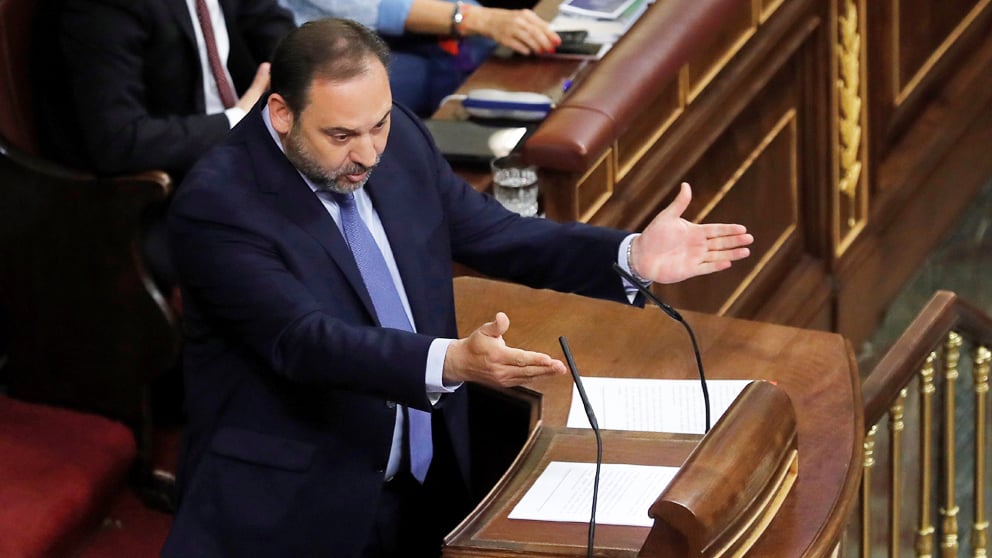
(816, 369)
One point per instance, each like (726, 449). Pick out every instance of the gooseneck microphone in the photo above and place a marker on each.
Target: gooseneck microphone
(678, 318)
(599, 440)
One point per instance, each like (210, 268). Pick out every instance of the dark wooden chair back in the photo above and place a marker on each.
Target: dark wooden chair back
(16, 111)
(88, 329)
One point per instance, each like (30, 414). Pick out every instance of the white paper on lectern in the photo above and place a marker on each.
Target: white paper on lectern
(652, 405)
(563, 492)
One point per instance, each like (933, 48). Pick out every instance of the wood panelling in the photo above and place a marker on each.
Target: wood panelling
(848, 135)
(761, 191)
(927, 180)
(737, 27)
(922, 31)
(596, 187)
(642, 135)
(765, 8)
(914, 46)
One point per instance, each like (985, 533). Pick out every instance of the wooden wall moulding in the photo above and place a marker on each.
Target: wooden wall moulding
(659, 115)
(915, 57)
(850, 195)
(739, 25)
(914, 46)
(596, 186)
(765, 8)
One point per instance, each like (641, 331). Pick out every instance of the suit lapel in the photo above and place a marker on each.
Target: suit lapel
(290, 194)
(180, 12)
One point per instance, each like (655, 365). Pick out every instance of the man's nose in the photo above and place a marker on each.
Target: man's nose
(364, 152)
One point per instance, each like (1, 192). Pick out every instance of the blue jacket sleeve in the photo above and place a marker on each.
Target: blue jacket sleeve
(385, 16)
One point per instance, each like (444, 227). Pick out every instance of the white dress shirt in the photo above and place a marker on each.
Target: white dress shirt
(211, 96)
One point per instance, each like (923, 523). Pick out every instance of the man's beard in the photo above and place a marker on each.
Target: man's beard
(323, 179)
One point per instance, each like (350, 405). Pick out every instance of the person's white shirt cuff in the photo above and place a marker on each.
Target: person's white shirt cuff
(434, 376)
(628, 287)
(234, 115)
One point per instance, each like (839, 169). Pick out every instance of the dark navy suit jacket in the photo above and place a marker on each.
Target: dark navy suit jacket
(118, 83)
(289, 378)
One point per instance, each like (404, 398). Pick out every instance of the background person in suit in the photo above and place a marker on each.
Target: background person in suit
(306, 387)
(125, 85)
(431, 53)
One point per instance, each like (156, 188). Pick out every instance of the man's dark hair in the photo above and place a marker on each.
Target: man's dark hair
(333, 49)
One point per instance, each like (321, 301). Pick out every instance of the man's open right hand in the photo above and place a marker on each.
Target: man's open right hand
(484, 358)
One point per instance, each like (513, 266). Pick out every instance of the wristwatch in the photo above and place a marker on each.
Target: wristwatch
(457, 17)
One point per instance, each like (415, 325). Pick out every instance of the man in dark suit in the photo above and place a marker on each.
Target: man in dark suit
(120, 83)
(125, 86)
(305, 390)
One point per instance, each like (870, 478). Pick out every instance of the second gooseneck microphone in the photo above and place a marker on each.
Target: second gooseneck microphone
(599, 440)
(678, 318)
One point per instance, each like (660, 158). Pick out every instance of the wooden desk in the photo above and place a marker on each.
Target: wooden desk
(848, 135)
(816, 369)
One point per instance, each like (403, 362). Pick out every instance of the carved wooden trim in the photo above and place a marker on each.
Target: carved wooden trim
(850, 207)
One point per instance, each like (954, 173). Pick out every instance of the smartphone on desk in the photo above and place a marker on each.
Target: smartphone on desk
(573, 44)
(591, 50)
(572, 37)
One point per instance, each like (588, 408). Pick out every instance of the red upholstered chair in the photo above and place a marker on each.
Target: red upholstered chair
(88, 329)
(58, 470)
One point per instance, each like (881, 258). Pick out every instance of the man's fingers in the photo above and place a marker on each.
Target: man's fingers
(729, 242)
(522, 366)
(715, 230)
(521, 358)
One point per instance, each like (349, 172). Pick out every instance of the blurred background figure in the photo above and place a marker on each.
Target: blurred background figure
(435, 44)
(127, 86)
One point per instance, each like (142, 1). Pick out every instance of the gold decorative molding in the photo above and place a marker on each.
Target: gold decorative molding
(851, 195)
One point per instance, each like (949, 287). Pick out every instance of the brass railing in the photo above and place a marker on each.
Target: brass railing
(918, 390)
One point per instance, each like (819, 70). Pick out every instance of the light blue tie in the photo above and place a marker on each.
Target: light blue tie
(389, 309)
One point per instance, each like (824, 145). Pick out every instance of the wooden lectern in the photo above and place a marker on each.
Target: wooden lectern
(710, 509)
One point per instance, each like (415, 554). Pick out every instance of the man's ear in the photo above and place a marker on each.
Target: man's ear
(280, 114)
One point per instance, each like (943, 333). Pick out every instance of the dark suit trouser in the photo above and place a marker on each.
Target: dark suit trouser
(412, 519)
